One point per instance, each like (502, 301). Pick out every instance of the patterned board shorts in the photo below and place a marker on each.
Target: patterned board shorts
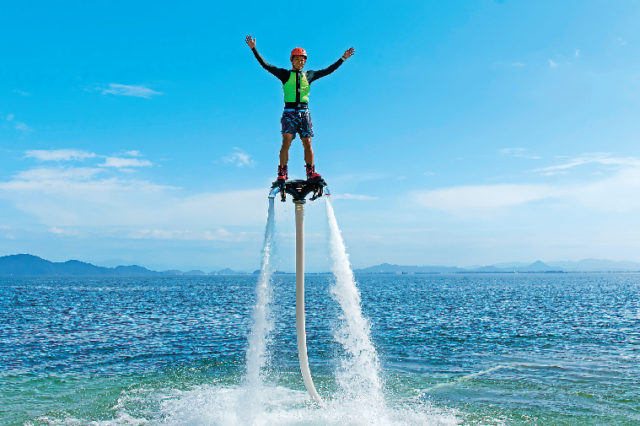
(297, 121)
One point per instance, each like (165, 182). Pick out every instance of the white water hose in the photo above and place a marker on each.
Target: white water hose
(300, 323)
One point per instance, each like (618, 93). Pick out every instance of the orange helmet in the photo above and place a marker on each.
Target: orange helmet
(298, 51)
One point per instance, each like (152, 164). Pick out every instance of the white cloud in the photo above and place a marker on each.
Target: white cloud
(482, 197)
(220, 234)
(63, 231)
(21, 92)
(603, 159)
(552, 63)
(58, 154)
(517, 64)
(55, 175)
(23, 127)
(347, 196)
(119, 162)
(239, 158)
(89, 197)
(19, 125)
(79, 155)
(577, 53)
(615, 192)
(519, 153)
(621, 41)
(130, 90)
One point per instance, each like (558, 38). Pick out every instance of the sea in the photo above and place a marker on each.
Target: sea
(451, 349)
(427, 349)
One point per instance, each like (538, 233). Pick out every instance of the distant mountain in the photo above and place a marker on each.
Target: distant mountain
(537, 266)
(225, 271)
(130, 270)
(488, 269)
(387, 268)
(29, 265)
(585, 265)
(510, 265)
(597, 265)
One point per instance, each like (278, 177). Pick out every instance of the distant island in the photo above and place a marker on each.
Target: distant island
(585, 265)
(23, 265)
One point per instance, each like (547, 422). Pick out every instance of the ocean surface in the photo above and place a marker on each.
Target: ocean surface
(452, 349)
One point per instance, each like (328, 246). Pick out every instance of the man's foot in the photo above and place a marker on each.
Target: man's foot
(283, 175)
(311, 172)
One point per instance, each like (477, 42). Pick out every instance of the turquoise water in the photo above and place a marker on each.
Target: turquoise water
(469, 349)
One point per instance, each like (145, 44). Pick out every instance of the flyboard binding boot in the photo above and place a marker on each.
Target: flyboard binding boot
(315, 179)
(311, 173)
(283, 175)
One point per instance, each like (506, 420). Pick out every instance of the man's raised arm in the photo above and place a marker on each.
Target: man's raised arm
(314, 75)
(278, 72)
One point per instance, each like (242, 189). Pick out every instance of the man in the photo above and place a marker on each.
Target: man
(296, 117)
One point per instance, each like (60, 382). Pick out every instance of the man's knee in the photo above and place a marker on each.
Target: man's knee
(287, 138)
(306, 142)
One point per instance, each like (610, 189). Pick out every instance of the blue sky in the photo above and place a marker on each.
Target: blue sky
(461, 133)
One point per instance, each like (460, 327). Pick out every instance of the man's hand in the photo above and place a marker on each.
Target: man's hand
(349, 53)
(251, 42)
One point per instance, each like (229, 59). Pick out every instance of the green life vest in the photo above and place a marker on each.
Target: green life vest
(296, 89)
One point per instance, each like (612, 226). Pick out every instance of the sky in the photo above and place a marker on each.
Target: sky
(460, 133)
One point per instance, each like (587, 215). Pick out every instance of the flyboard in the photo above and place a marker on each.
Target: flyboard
(299, 190)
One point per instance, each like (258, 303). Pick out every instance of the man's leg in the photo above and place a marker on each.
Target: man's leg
(283, 173)
(284, 151)
(308, 158)
(308, 151)
(306, 133)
